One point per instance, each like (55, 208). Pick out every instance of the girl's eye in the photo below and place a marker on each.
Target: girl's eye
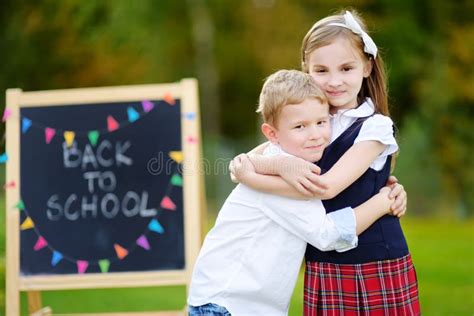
(301, 126)
(346, 68)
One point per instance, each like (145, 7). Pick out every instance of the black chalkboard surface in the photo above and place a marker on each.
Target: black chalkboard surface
(95, 201)
(104, 188)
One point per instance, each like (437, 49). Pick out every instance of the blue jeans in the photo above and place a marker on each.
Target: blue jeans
(208, 310)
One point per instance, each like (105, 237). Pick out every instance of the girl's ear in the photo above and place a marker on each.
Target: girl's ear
(368, 67)
(270, 132)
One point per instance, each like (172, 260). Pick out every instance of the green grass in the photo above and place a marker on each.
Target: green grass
(442, 250)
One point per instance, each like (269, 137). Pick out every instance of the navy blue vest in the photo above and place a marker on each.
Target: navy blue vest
(382, 240)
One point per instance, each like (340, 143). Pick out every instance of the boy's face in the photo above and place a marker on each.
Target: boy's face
(302, 130)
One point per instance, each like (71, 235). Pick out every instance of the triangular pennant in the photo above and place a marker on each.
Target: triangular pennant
(132, 115)
(56, 258)
(40, 243)
(104, 265)
(176, 156)
(189, 115)
(82, 266)
(25, 125)
(168, 204)
(169, 99)
(20, 205)
(3, 158)
(121, 252)
(176, 180)
(112, 124)
(6, 114)
(69, 137)
(147, 106)
(10, 185)
(155, 226)
(49, 134)
(93, 137)
(192, 140)
(143, 242)
(27, 224)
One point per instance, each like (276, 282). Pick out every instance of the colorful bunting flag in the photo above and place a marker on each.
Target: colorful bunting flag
(82, 266)
(121, 252)
(49, 134)
(3, 158)
(6, 114)
(132, 115)
(69, 138)
(93, 137)
(189, 115)
(40, 243)
(176, 180)
(176, 156)
(104, 265)
(10, 185)
(168, 97)
(27, 224)
(112, 124)
(25, 125)
(192, 140)
(20, 205)
(147, 106)
(143, 242)
(155, 226)
(56, 258)
(166, 203)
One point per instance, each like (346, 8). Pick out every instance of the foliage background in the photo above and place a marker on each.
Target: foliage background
(230, 46)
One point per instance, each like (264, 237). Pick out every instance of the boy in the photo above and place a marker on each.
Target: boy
(250, 259)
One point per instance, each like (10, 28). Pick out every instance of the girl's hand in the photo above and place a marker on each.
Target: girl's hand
(302, 175)
(240, 168)
(399, 207)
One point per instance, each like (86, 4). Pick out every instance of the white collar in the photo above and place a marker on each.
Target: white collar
(367, 108)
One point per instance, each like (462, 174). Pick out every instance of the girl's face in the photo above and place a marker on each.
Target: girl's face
(339, 69)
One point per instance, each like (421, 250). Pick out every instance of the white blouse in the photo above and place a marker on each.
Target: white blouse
(378, 127)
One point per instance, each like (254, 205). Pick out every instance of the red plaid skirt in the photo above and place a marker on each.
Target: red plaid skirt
(387, 288)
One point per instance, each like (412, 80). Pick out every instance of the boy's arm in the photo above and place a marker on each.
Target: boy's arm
(334, 231)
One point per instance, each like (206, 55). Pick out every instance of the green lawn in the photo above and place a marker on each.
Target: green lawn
(443, 252)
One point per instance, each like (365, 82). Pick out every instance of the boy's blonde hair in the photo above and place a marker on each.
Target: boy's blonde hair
(286, 87)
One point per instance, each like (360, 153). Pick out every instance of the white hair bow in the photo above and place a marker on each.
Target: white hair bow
(351, 24)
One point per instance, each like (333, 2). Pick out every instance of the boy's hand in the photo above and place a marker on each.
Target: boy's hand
(302, 175)
(399, 206)
(240, 167)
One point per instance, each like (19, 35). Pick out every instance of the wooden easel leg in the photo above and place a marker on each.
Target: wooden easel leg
(34, 301)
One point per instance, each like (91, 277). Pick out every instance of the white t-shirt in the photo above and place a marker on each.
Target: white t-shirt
(378, 127)
(250, 259)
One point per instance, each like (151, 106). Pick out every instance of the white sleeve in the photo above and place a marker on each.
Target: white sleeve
(308, 220)
(379, 128)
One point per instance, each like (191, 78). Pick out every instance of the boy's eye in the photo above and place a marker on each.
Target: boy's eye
(323, 122)
(300, 126)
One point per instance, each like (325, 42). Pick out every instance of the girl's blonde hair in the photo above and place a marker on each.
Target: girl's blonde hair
(286, 87)
(322, 34)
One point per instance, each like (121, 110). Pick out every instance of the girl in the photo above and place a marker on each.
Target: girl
(378, 277)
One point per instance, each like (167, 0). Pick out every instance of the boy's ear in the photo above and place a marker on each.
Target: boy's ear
(368, 68)
(269, 132)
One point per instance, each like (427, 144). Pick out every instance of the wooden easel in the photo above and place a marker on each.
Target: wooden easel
(193, 197)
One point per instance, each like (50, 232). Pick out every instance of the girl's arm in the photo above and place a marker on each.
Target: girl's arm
(243, 171)
(350, 167)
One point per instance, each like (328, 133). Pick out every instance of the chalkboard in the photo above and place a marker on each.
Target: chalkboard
(107, 187)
